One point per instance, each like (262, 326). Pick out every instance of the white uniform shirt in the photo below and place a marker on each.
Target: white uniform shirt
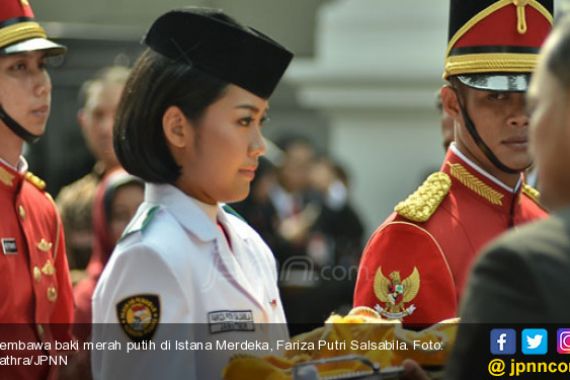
(174, 260)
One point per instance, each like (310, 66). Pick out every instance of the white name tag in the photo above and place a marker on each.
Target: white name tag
(230, 320)
(9, 246)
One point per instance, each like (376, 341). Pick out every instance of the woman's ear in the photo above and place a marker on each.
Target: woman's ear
(449, 102)
(175, 126)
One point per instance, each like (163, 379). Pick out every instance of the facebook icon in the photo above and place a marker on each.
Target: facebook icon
(503, 341)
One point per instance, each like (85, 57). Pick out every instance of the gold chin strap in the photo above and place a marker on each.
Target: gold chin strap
(521, 16)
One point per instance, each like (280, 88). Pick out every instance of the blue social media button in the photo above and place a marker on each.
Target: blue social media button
(503, 341)
(534, 341)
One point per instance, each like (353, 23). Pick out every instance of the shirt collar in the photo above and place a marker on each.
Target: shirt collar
(483, 172)
(195, 216)
(21, 167)
(210, 210)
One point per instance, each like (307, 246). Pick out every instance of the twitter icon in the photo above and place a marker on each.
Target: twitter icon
(534, 341)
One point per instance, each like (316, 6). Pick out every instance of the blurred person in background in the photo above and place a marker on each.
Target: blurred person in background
(415, 265)
(333, 239)
(257, 209)
(447, 124)
(447, 134)
(36, 288)
(116, 200)
(297, 209)
(338, 230)
(98, 99)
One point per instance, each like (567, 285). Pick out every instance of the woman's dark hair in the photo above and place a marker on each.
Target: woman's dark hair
(156, 83)
(116, 182)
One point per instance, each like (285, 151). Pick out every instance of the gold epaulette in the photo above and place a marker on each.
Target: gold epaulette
(421, 205)
(532, 193)
(36, 181)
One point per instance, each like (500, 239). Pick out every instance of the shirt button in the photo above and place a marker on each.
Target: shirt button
(52, 294)
(22, 212)
(40, 330)
(37, 274)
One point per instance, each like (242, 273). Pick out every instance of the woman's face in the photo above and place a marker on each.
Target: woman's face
(25, 89)
(123, 207)
(221, 153)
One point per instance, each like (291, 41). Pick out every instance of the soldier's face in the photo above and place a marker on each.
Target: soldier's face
(549, 104)
(502, 122)
(25, 89)
(219, 155)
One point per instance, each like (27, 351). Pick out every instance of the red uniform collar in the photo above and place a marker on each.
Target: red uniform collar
(464, 174)
(10, 179)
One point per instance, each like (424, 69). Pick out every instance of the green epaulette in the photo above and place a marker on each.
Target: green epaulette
(231, 210)
(140, 223)
(421, 205)
(35, 180)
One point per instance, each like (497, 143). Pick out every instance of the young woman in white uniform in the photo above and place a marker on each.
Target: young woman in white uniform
(186, 271)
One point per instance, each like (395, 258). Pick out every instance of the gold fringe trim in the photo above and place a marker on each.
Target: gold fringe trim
(475, 184)
(532, 193)
(423, 203)
(35, 180)
(21, 31)
(490, 62)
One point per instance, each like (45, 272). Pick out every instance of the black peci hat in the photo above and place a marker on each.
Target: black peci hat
(214, 43)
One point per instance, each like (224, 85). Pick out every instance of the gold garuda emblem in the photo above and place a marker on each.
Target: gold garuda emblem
(395, 293)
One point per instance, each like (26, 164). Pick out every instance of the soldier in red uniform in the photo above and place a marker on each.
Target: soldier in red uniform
(36, 289)
(414, 266)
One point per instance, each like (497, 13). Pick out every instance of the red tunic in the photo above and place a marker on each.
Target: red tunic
(424, 257)
(35, 283)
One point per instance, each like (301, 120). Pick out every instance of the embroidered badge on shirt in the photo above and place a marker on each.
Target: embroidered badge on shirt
(139, 316)
(230, 320)
(395, 292)
(9, 246)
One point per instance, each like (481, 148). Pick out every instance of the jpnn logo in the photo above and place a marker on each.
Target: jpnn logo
(503, 341)
(534, 341)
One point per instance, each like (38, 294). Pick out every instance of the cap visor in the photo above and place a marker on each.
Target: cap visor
(34, 44)
(496, 82)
